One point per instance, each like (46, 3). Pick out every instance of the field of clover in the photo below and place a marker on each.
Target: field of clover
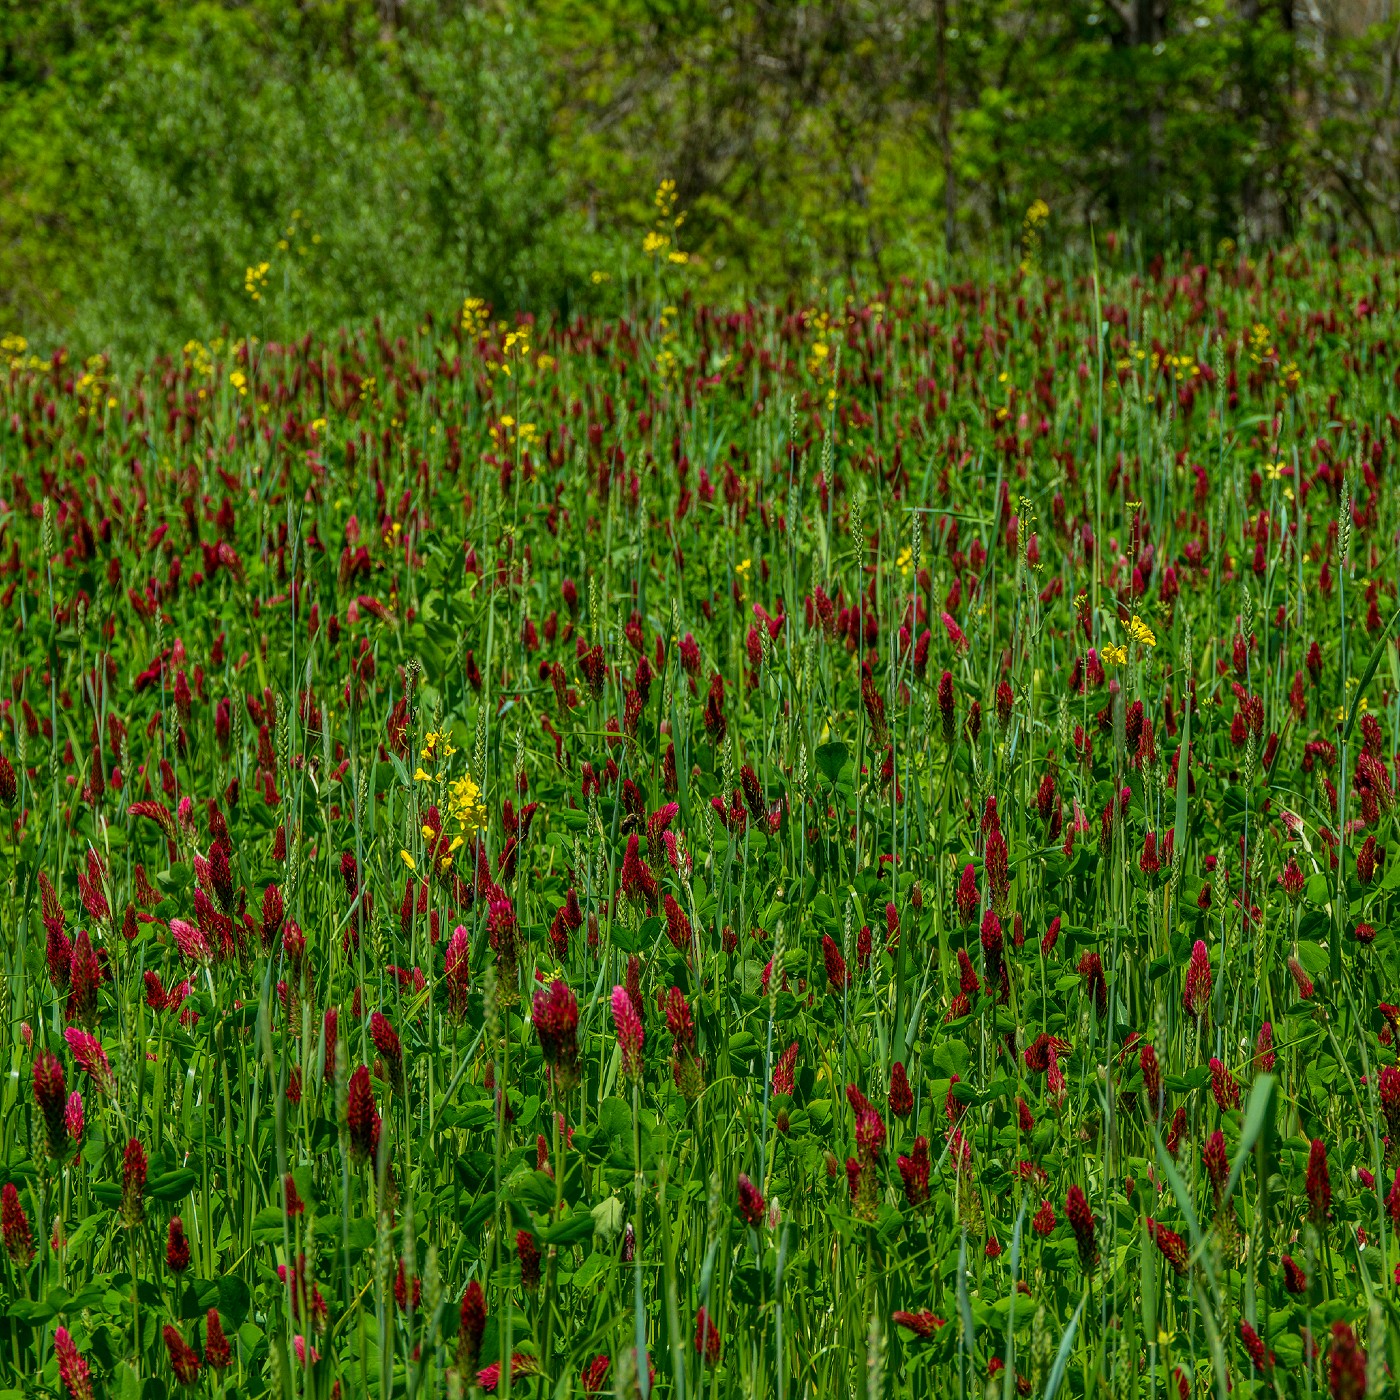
(803, 850)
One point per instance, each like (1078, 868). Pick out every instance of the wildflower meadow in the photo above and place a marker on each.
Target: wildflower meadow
(800, 848)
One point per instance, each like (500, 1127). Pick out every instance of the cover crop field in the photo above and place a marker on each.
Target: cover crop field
(794, 850)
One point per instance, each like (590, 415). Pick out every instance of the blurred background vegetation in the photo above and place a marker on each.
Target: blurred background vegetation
(381, 157)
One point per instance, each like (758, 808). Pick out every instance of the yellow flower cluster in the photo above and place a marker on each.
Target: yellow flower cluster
(1031, 226)
(659, 240)
(199, 358)
(437, 744)
(464, 804)
(509, 430)
(13, 346)
(1139, 631)
(476, 318)
(255, 280)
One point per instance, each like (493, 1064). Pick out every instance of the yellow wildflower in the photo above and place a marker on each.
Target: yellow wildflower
(436, 745)
(1139, 631)
(464, 804)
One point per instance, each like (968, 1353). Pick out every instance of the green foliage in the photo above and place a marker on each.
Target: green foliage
(151, 154)
(373, 174)
(515, 835)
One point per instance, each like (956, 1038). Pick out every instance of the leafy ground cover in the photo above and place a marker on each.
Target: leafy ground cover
(789, 850)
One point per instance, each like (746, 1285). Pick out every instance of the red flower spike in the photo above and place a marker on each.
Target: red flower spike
(1081, 1221)
(1171, 1245)
(967, 898)
(594, 1376)
(362, 1117)
(922, 1324)
(1195, 996)
(901, 1097)
(750, 1203)
(386, 1041)
(177, 1247)
(1346, 1365)
(218, 1356)
(914, 1173)
(630, 1035)
(183, 1359)
(836, 975)
(15, 1233)
(133, 1184)
(471, 1327)
(527, 1251)
(707, 1338)
(73, 1371)
(1259, 1358)
(555, 1015)
(1319, 1184)
(51, 1099)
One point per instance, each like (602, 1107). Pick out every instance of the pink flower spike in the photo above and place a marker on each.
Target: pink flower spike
(92, 1059)
(629, 1032)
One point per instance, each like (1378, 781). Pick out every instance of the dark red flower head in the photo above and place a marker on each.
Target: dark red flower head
(555, 1014)
(217, 1354)
(133, 1183)
(15, 1234)
(751, 1203)
(901, 1095)
(1195, 996)
(1172, 1246)
(51, 1099)
(177, 1247)
(707, 1338)
(472, 1327)
(183, 1359)
(1081, 1221)
(1319, 1184)
(1346, 1364)
(362, 1117)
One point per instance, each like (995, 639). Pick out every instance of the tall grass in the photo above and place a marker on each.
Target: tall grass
(728, 851)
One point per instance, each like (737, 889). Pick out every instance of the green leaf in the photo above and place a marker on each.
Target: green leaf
(234, 1298)
(178, 877)
(172, 1186)
(1064, 1352)
(1256, 1117)
(577, 1225)
(950, 1058)
(478, 1211)
(831, 759)
(589, 1270)
(87, 1228)
(1183, 785)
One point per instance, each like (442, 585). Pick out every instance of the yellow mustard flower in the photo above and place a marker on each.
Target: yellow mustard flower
(1139, 631)
(464, 804)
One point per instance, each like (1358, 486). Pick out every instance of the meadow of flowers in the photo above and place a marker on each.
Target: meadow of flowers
(796, 850)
